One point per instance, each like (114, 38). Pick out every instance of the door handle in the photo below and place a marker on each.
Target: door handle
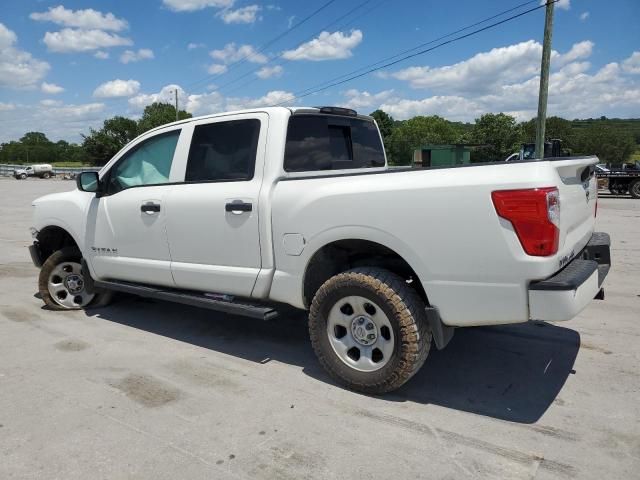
(150, 208)
(238, 207)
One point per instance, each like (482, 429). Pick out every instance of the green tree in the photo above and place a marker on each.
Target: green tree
(556, 127)
(158, 114)
(385, 123)
(501, 135)
(608, 143)
(100, 145)
(35, 138)
(35, 147)
(416, 132)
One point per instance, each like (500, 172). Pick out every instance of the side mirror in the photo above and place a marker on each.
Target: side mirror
(88, 182)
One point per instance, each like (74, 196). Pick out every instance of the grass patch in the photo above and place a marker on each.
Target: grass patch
(70, 164)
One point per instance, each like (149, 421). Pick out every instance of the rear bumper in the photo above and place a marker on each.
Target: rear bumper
(568, 292)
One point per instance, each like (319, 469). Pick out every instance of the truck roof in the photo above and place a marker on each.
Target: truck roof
(293, 110)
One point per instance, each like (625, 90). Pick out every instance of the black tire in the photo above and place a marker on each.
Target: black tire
(67, 254)
(634, 189)
(46, 175)
(23, 176)
(405, 311)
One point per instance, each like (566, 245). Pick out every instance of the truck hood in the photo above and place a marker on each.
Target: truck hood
(55, 197)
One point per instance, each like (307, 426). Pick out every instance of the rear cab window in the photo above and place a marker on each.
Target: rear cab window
(317, 142)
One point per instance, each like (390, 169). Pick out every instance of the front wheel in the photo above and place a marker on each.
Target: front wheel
(634, 189)
(369, 330)
(62, 284)
(22, 176)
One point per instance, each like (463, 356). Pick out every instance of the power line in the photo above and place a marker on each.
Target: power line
(313, 90)
(430, 42)
(263, 47)
(325, 28)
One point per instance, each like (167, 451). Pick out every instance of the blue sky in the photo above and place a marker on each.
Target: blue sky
(65, 66)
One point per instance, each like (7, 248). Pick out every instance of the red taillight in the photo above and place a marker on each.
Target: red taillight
(535, 216)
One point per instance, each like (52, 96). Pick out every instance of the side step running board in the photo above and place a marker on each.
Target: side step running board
(194, 299)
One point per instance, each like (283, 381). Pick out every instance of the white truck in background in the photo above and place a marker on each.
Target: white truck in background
(43, 170)
(243, 211)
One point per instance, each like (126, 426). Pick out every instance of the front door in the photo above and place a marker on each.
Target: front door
(212, 218)
(126, 235)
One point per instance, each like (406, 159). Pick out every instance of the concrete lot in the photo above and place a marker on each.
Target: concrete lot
(153, 390)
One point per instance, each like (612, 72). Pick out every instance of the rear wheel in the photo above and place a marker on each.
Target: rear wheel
(62, 284)
(369, 330)
(46, 175)
(634, 189)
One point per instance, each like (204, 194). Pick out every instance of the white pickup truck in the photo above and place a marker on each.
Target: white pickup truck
(245, 211)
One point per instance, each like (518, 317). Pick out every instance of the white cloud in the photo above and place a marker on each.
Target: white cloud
(268, 72)
(55, 119)
(101, 55)
(482, 72)
(216, 69)
(166, 95)
(632, 64)
(85, 19)
(4, 107)
(117, 88)
(232, 53)
(51, 88)
(48, 102)
(207, 103)
(450, 107)
(77, 40)
(193, 45)
(358, 100)
(7, 37)
(18, 69)
(328, 46)
(578, 51)
(272, 98)
(584, 16)
(246, 14)
(193, 5)
(507, 80)
(129, 56)
(561, 4)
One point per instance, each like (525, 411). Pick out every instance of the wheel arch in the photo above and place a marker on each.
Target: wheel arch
(52, 238)
(340, 255)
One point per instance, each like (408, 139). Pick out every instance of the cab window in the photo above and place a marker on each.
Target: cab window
(149, 163)
(223, 151)
(330, 142)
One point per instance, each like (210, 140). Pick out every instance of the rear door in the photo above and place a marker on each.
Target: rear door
(212, 218)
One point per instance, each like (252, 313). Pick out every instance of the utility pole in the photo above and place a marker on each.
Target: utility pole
(544, 80)
(176, 93)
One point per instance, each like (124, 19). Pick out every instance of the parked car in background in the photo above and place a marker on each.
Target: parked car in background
(43, 170)
(242, 212)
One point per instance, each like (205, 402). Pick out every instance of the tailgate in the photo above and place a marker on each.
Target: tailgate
(578, 198)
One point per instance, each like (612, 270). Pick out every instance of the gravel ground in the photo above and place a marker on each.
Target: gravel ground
(146, 389)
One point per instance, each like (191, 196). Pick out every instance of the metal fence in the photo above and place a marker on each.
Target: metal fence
(6, 170)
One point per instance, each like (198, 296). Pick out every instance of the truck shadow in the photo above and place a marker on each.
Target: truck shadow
(512, 372)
